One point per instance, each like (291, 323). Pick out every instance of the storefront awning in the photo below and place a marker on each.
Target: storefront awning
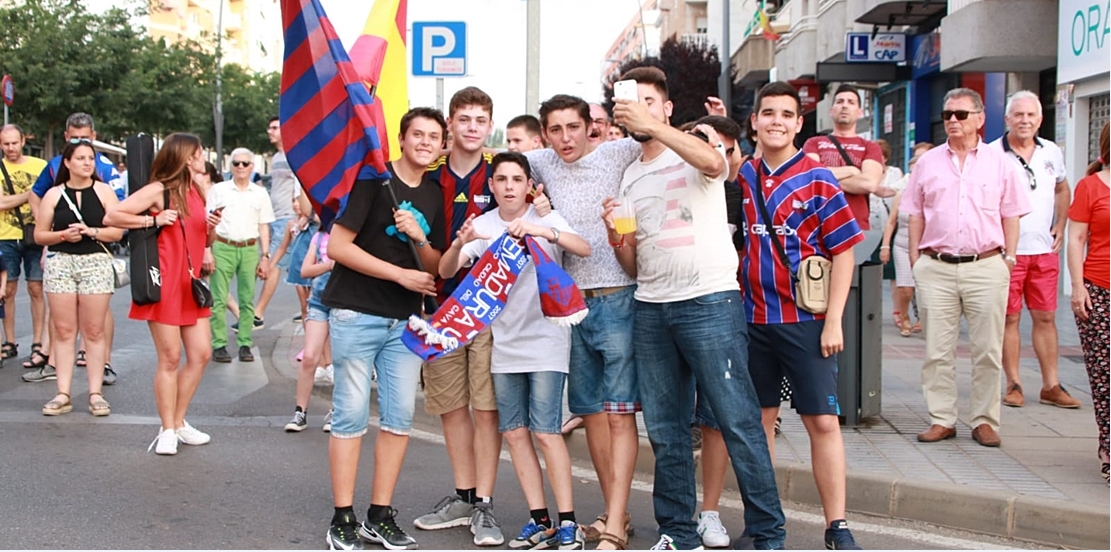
(839, 71)
(914, 13)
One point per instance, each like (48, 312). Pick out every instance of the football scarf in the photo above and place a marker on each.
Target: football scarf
(483, 293)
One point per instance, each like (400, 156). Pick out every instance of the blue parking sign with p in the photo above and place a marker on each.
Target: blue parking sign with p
(439, 49)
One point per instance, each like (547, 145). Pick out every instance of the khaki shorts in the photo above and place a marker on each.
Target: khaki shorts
(461, 378)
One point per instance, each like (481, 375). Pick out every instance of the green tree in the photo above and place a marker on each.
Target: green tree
(692, 74)
(250, 100)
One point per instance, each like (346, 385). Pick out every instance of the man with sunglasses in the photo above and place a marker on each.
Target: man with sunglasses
(79, 127)
(964, 201)
(243, 232)
(1040, 236)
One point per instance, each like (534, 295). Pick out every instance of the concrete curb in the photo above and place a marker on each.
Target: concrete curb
(994, 513)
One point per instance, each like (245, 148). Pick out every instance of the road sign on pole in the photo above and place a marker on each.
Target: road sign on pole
(8, 89)
(439, 49)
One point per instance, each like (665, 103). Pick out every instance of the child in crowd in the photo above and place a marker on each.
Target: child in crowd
(530, 355)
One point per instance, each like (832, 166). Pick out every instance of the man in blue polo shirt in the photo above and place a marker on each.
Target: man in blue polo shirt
(79, 126)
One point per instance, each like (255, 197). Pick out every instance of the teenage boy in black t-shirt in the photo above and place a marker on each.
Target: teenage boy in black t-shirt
(374, 288)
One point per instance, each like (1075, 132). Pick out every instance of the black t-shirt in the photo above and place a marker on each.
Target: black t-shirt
(733, 199)
(369, 214)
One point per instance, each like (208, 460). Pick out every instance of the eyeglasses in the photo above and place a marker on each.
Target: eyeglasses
(76, 141)
(961, 114)
(241, 163)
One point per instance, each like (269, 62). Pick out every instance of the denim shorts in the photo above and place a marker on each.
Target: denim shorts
(602, 376)
(296, 252)
(316, 313)
(17, 256)
(530, 399)
(359, 342)
(793, 350)
(277, 232)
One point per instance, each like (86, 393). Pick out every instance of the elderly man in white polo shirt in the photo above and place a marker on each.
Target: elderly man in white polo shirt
(1041, 234)
(244, 230)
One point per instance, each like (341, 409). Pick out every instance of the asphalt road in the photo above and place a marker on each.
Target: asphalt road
(81, 482)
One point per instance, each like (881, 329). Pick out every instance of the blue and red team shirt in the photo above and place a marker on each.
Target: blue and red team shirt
(105, 170)
(463, 196)
(810, 216)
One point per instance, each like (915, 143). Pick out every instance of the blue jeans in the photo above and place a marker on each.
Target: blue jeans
(277, 232)
(530, 399)
(602, 377)
(361, 341)
(703, 339)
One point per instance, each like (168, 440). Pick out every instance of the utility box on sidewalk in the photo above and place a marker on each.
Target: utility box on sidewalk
(859, 381)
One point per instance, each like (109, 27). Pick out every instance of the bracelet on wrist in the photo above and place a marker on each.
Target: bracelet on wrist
(885, 247)
(620, 243)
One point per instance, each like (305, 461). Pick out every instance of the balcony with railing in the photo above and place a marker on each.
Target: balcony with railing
(697, 40)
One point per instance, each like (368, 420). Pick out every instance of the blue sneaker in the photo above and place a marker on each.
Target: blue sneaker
(570, 536)
(534, 537)
(838, 537)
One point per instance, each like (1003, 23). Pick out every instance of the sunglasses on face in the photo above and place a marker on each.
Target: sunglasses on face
(961, 114)
(76, 141)
(241, 163)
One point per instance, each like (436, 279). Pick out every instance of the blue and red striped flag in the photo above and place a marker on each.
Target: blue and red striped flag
(332, 128)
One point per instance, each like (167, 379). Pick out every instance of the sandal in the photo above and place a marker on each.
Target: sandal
(591, 533)
(904, 326)
(617, 542)
(37, 359)
(81, 363)
(99, 407)
(56, 407)
(9, 350)
(917, 328)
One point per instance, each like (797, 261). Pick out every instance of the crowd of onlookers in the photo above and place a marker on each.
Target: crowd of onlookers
(684, 244)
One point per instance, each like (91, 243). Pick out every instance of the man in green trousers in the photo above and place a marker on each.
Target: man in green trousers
(244, 230)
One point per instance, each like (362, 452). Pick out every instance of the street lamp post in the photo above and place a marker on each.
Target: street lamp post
(218, 107)
(725, 80)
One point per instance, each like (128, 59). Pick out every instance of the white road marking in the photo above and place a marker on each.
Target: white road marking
(939, 541)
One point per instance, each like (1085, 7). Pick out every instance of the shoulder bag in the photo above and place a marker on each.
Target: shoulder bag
(844, 156)
(28, 228)
(812, 278)
(202, 295)
(120, 275)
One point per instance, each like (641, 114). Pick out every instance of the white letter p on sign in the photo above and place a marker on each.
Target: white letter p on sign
(429, 51)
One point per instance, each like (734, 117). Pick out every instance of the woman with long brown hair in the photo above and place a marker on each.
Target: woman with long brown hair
(78, 273)
(176, 319)
(1089, 257)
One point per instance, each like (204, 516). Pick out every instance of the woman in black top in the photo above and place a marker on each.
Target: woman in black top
(78, 278)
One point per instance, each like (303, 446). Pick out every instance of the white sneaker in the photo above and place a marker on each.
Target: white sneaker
(165, 443)
(193, 436)
(711, 530)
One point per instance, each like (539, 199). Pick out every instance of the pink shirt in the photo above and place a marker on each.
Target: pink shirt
(964, 210)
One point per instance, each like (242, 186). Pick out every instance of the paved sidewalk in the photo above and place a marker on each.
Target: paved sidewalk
(1042, 484)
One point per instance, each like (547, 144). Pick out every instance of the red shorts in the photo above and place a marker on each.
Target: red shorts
(1035, 279)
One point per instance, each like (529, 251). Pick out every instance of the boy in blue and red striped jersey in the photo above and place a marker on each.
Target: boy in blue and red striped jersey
(810, 216)
(458, 387)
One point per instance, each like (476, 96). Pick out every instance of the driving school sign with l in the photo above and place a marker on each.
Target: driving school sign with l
(877, 48)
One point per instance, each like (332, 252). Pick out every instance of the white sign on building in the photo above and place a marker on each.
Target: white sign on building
(1083, 39)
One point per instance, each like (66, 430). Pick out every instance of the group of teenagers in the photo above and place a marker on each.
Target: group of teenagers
(667, 332)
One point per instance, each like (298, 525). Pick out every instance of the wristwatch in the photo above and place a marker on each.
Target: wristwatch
(421, 244)
(1010, 258)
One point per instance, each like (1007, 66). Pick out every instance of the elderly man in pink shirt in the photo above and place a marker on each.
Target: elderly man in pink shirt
(964, 200)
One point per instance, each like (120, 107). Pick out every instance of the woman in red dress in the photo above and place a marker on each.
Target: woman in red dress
(176, 319)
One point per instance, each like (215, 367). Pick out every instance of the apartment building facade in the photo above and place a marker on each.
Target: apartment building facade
(251, 28)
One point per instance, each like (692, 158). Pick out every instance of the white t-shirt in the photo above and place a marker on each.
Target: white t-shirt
(684, 246)
(524, 341)
(1048, 165)
(577, 191)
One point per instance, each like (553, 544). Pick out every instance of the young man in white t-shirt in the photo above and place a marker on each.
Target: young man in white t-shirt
(689, 324)
(530, 355)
